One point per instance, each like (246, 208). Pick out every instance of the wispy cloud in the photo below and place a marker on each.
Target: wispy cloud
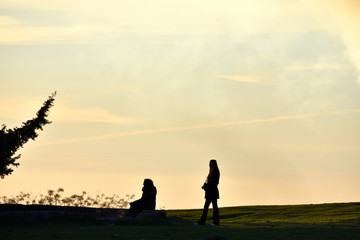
(23, 108)
(94, 20)
(206, 126)
(251, 79)
(243, 78)
(276, 76)
(67, 114)
(320, 66)
(14, 31)
(345, 13)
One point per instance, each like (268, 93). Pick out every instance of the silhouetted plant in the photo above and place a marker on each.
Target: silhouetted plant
(78, 200)
(12, 139)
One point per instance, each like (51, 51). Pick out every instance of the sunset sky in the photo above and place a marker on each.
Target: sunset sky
(155, 89)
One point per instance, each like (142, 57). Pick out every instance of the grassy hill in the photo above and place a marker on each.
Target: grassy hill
(319, 221)
(335, 214)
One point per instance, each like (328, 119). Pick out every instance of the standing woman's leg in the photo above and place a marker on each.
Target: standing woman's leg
(205, 212)
(216, 217)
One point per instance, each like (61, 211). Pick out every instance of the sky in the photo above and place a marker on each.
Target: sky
(156, 89)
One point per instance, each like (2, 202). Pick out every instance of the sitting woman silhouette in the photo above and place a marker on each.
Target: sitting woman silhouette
(147, 200)
(211, 194)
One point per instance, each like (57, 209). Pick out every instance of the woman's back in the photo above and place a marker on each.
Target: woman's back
(149, 196)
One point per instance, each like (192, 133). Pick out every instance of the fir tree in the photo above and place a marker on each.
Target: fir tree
(12, 139)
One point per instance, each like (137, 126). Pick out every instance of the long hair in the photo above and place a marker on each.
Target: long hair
(213, 171)
(148, 183)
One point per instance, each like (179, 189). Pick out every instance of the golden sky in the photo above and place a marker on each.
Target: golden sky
(155, 89)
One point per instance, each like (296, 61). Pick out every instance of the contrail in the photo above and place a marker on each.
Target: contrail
(204, 126)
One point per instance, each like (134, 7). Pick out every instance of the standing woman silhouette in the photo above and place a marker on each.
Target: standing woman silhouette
(211, 194)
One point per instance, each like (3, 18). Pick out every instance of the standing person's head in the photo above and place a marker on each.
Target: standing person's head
(214, 169)
(213, 163)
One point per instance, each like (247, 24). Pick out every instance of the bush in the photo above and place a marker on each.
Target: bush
(55, 197)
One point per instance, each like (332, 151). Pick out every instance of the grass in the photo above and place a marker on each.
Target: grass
(320, 221)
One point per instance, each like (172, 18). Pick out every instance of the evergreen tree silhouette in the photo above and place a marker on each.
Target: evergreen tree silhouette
(12, 139)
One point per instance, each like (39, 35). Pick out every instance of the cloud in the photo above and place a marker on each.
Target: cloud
(14, 31)
(245, 79)
(273, 76)
(19, 108)
(206, 126)
(25, 108)
(346, 15)
(63, 113)
(254, 79)
(320, 66)
(7, 21)
(95, 20)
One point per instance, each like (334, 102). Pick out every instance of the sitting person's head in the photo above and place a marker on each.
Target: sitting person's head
(148, 183)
